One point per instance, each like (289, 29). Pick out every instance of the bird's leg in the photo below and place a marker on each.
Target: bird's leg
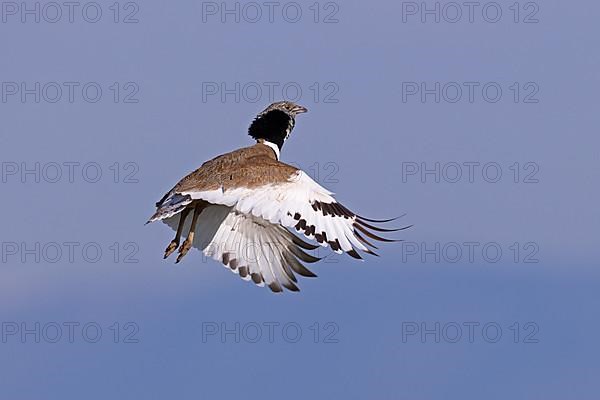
(187, 244)
(175, 242)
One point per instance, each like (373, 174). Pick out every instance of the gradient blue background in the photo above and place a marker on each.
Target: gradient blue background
(368, 134)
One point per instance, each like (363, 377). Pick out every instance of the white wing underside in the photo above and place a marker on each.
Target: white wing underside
(248, 246)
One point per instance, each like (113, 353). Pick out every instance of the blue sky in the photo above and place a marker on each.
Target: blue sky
(482, 132)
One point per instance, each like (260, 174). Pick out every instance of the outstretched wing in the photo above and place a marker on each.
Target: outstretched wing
(250, 247)
(298, 202)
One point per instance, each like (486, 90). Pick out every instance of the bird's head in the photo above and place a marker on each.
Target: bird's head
(275, 123)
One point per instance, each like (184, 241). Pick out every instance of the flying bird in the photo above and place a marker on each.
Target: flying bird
(239, 208)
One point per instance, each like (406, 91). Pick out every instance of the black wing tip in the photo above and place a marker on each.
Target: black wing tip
(297, 266)
(307, 273)
(372, 235)
(275, 287)
(380, 221)
(378, 229)
(291, 287)
(371, 252)
(303, 256)
(305, 245)
(354, 254)
(256, 278)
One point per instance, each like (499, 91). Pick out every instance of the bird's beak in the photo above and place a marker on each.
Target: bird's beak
(299, 109)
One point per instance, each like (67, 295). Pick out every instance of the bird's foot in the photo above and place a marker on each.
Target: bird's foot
(185, 247)
(171, 248)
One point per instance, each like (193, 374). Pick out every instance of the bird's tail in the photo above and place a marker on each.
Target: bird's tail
(170, 205)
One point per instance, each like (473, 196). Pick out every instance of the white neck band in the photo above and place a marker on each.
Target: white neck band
(273, 146)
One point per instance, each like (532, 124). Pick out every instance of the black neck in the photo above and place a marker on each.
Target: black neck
(273, 126)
